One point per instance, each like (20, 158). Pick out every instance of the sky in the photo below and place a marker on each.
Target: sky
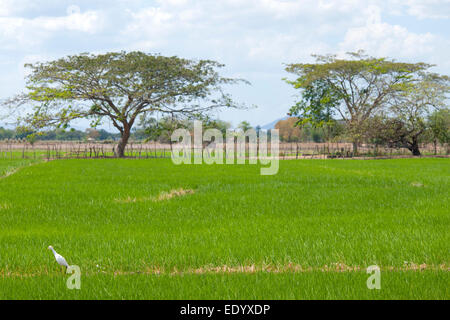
(253, 38)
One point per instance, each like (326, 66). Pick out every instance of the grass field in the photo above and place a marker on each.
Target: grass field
(9, 167)
(146, 229)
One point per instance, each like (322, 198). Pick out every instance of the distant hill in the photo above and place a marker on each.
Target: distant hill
(271, 125)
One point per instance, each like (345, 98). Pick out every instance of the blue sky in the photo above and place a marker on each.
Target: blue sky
(253, 38)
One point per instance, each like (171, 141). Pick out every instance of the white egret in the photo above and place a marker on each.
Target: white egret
(59, 258)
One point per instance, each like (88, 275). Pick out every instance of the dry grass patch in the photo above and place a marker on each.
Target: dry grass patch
(9, 172)
(246, 269)
(296, 268)
(163, 196)
(173, 193)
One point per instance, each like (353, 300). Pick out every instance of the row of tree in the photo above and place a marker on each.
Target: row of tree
(391, 132)
(366, 98)
(58, 135)
(290, 131)
(150, 129)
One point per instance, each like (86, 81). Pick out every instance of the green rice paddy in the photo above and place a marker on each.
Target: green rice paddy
(147, 229)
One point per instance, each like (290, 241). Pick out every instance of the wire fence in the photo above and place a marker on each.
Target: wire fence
(138, 150)
(80, 150)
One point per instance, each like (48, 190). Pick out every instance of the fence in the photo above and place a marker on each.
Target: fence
(82, 150)
(345, 150)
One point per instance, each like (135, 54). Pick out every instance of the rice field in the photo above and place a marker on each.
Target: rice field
(147, 229)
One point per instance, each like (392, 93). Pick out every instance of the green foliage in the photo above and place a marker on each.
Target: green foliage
(7, 133)
(211, 123)
(21, 133)
(162, 129)
(295, 130)
(244, 126)
(439, 124)
(317, 105)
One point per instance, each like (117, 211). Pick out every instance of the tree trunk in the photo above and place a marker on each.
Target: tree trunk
(123, 143)
(355, 148)
(414, 147)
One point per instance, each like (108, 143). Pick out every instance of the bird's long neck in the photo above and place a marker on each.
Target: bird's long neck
(53, 250)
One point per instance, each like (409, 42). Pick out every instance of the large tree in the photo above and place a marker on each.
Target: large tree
(352, 89)
(119, 87)
(412, 105)
(415, 114)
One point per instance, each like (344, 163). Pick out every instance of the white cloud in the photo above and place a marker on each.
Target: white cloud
(13, 7)
(382, 39)
(89, 22)
(31, 32)
(175, 3)
(148, 28)
(252, 37)
(423, 9)
(149, 20)
(6, 7)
